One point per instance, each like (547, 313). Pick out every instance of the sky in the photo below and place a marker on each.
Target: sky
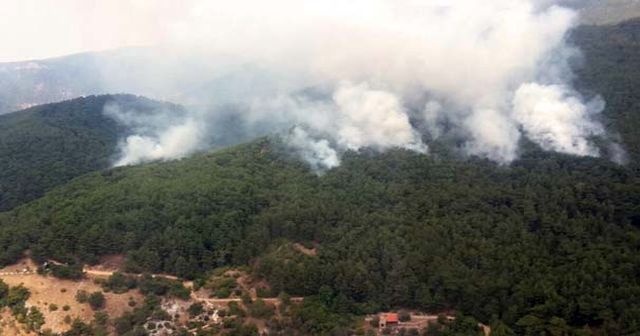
(35, 29)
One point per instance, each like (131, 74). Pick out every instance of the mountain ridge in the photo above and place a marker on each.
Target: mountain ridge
(47, 145)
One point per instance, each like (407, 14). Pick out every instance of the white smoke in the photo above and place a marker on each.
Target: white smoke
(556, 120)
(160, 135)
(318, 153)
(491, 71)
(173, 143)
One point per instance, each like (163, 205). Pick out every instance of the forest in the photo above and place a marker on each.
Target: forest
(547, 245)
(551, 239)
(48, 145)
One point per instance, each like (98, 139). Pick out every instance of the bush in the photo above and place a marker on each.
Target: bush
(404, 316)
(82, 296)
(34, 319)
(53, 307)
(264, 292)
(162, 286)
(96, 300)
(260, 309)
(70, 272)
(120, 283)
(195, 309)
(66, 308)
(223, 293)
(17, 296)
(246, 298)
(236, 310)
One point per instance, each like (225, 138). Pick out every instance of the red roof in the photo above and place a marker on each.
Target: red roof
(391, 317)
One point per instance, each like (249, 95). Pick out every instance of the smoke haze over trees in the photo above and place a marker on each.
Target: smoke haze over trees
(481, 73)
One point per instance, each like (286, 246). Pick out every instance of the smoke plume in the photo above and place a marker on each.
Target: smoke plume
(344, 75)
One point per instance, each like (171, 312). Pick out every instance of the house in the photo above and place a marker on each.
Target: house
(389, 320)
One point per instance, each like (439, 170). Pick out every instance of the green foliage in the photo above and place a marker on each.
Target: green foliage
(79, 328)
(548, 245)
(48, 145)
(221, 285)
(71, 272)
(34, 319)
(195, 309)
(82, 296)
(96, 300)
(162, 286)
(4, 292)
(260, 309)
(131, 323)
(551, 236)
(321, 314)
(119, 283)
(243, 330)
(16, 298)
(236, 310)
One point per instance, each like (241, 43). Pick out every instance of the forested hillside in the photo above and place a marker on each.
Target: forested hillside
(611, 68)
(547, 245)
(46, 146)
(550, 242)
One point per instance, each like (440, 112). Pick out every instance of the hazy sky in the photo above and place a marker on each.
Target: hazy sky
(32, 29)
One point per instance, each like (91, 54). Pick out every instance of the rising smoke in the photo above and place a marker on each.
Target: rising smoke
(344, 75)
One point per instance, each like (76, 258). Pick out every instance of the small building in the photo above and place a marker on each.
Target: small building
(389, 320)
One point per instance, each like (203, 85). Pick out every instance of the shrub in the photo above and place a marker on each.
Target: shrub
(260, 309)
(120, 283)
(96, 300)
(53, 307)
(82, 296)
(223, 293)
(195, 309)
(71, 272)
(264, 292)
(235, 309)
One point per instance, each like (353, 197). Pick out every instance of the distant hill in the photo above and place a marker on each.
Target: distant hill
(48, 145)
(177, 77)
(605, 11)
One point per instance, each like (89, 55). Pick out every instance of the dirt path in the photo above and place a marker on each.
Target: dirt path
(17, 273)
(274, 301)
(110, 273)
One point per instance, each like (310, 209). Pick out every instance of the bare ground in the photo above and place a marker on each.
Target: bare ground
(46, 290)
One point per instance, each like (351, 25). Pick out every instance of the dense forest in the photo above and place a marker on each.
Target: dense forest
(46, 146)
(551, 241)
(547, 245)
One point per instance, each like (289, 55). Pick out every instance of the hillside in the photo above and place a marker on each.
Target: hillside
(46, 146)
(611, 68)
(605, 11)
(551, 242)
(547, 245)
